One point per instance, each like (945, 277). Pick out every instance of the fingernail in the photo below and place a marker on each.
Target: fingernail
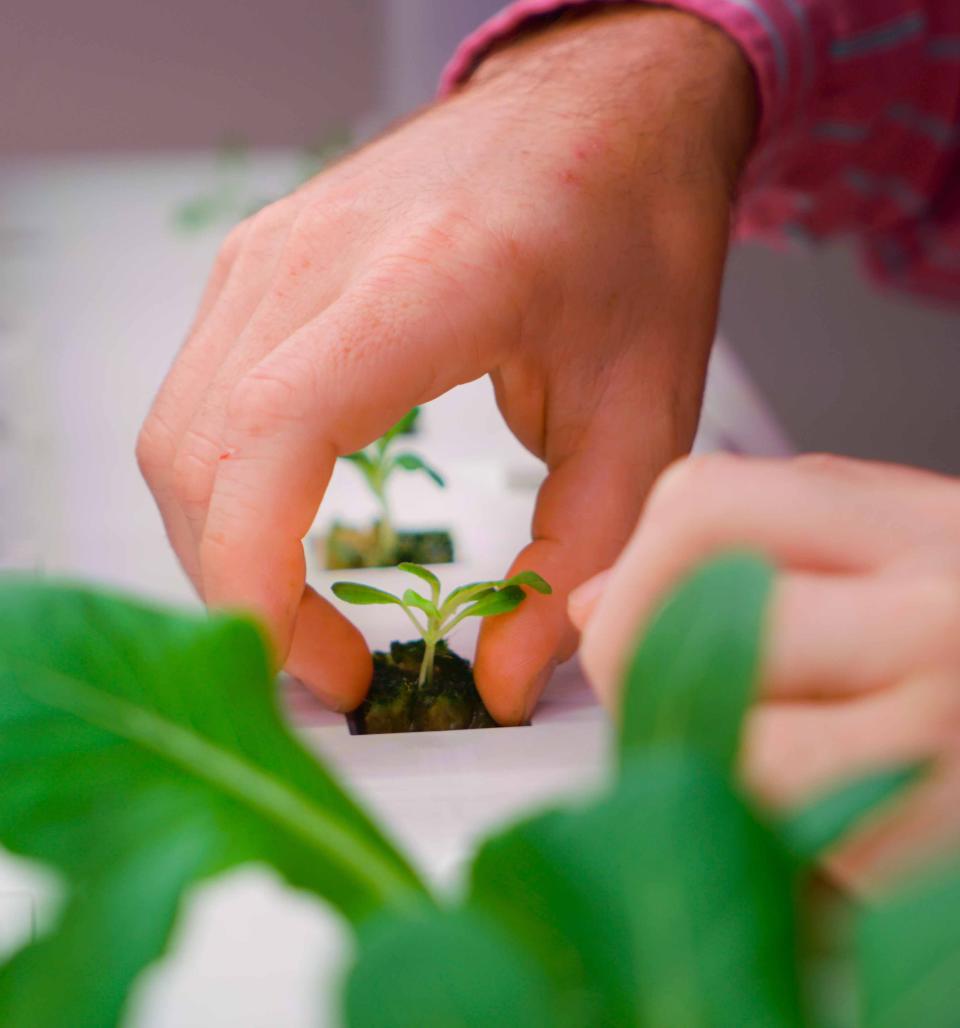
(331, 700)
(583, 599)
(536, 691)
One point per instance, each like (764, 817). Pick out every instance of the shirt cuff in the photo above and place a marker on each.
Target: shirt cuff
(776, 36)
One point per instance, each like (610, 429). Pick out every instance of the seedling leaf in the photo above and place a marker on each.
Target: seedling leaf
(475, 590)
(464, 593)
(414, 599)
(498, 601)
(360, 459)
(695, 670)
(354, 592)
(427, 576)
(407, 425)
(812, 830)
(411, 462)
(532, 579)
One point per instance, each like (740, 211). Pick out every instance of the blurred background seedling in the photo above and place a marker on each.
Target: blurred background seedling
(382, 545)
(232, 194)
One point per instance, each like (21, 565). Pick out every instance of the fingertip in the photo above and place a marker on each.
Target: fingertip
(599, 663)
(583, 601)
(329, 654)
(536, 688)
(516, 655)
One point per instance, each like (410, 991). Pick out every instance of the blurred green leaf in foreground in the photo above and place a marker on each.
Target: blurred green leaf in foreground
(142, 752)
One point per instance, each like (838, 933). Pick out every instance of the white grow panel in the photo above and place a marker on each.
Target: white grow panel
(100, 298)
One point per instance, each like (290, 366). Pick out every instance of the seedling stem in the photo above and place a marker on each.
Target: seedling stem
(377, 463)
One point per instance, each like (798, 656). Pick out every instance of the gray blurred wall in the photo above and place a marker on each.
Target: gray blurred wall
(134, 74)
(848, 369)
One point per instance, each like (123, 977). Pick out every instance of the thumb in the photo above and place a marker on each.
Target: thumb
(583, 601)
(587, 508)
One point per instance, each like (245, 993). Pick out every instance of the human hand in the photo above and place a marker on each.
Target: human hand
(861, 668)
(559, 224)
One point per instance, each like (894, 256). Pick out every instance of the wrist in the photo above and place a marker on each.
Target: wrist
(634, 74)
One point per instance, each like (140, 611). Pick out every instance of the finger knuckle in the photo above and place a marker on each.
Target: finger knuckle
(314, 229)
(185, 481)
(154, 449)
(232, 244)
(261, 235)
(269, 217)
(192, 469)
(447, 243)
(327, 213)
(269, 396)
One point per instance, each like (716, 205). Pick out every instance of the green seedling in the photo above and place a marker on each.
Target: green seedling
(377, 464)
(441, 617)
(232, 194)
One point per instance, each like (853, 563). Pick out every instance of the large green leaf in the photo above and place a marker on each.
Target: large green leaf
(909, 956)
(143, 750)
(813, 829)
(446, 970)
(113, 927)
(664, 904)
(695, 671)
